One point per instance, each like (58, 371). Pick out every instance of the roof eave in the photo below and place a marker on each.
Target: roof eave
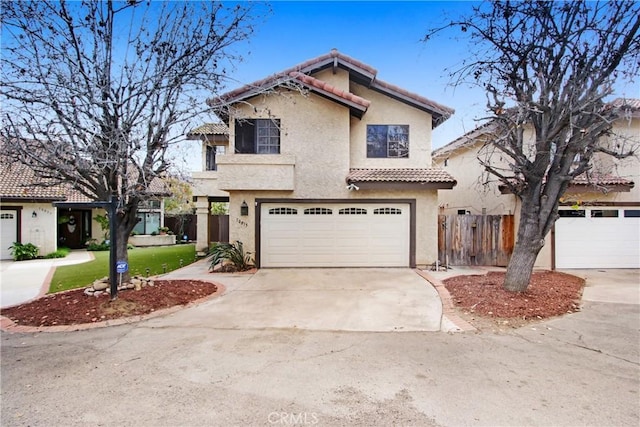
(439, 114)
(402, 185)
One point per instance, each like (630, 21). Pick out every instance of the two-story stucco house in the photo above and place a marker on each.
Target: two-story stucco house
(599, 224)
(326, 165)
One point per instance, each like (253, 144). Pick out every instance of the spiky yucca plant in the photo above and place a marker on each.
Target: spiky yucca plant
(232, 255)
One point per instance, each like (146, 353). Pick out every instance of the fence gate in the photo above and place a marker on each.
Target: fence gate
(218, 228)
(475, 239)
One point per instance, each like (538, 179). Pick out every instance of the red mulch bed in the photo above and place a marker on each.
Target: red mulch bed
(74, 307)
(481, 298)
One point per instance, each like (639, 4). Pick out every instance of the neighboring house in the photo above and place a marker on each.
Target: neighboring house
(27, 214)
(599, 224)
(326, 166)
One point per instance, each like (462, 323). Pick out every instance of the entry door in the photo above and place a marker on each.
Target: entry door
(335, 235)
(8, 231)
(74, 230)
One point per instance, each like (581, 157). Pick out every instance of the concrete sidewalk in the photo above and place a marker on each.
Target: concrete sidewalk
(26, 280)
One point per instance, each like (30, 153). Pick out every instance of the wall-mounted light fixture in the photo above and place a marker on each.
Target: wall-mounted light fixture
(34, 214)
(244, 209)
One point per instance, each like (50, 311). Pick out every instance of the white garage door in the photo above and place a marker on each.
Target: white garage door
(8, 231)
(334, 235)
(598, 238)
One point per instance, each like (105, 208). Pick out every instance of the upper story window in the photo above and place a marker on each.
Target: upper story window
(258, 136)
(388, 141)
(211, 154)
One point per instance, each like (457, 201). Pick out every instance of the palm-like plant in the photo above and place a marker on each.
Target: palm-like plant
(232, 255)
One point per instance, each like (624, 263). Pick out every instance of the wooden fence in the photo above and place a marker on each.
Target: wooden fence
(218, 228)
(182, 225)
(475, 239)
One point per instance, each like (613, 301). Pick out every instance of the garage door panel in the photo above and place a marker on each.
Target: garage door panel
(357, 237)
(8, 231)
(600, 242)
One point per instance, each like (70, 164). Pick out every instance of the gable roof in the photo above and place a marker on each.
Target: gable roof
(629, 107)
(359, 73)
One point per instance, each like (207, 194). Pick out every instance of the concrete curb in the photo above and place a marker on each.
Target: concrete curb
(7, 325)
(448, 309)
(46, 283)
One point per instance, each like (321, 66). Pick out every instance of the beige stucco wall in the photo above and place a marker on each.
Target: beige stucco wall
(339, 79)
(41, 230)
(386, 111)
(472, 192)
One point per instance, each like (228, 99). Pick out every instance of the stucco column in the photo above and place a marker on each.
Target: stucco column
(202, 214)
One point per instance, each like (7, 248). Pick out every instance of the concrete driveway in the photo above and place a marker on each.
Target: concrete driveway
(340, 299)
(185, 369)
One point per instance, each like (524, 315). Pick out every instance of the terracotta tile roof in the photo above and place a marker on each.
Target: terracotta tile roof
(18, 182)
(400, 175)
(631, 103)
(359, 72)
(319, 84)
(210, 129)
(601, 180)
(329, 59)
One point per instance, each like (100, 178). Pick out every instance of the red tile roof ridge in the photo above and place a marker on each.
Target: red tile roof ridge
(317, 83)
(282, 76)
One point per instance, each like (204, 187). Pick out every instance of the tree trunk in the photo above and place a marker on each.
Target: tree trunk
(126, 221)
(528, 245)
(122, 240)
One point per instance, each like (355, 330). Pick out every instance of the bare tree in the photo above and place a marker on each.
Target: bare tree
(95, 92)
(547, 67)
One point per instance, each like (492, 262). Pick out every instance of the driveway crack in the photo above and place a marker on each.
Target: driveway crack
(582, 346)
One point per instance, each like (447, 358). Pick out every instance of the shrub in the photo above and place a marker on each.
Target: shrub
(60, 253)
(230, 255)
(22, 252)
(93, 245)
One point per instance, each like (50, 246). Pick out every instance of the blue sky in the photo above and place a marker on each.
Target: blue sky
(384, 35)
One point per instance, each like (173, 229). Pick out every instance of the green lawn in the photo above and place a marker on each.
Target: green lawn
(80, 275)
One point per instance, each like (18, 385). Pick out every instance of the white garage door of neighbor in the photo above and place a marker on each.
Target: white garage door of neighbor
(598, 238)
(8, 231)
(334, 235)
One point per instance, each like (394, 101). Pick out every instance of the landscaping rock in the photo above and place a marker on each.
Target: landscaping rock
(100, 285)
